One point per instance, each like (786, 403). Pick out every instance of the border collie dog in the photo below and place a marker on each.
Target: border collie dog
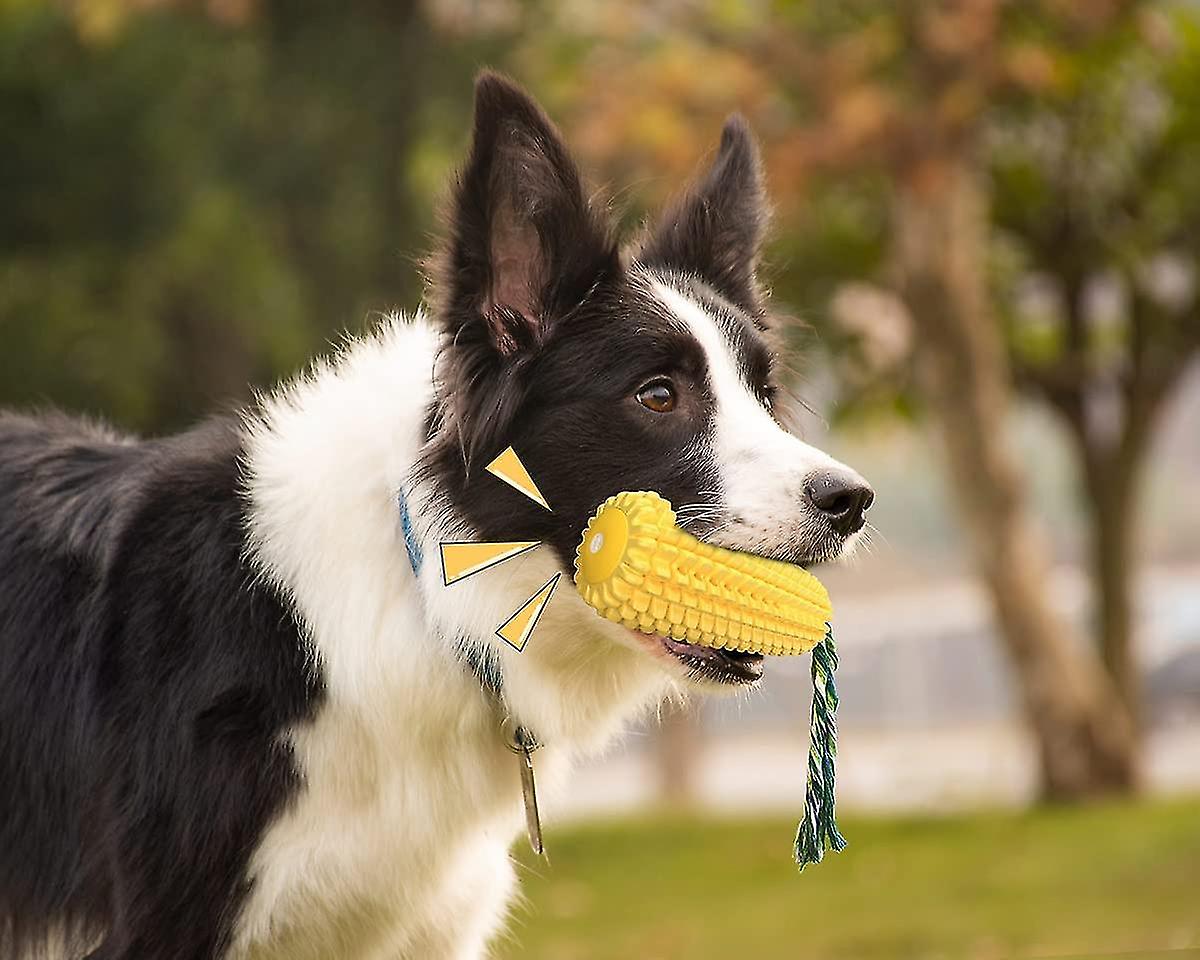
(239, 718)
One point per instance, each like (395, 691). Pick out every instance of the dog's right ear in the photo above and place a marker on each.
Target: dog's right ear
(524, 243)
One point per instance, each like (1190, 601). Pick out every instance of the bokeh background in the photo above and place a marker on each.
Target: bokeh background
(987, 232)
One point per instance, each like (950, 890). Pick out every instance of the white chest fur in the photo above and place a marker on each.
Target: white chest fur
(397, 843)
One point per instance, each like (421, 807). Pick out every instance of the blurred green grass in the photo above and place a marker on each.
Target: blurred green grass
(1105, 881)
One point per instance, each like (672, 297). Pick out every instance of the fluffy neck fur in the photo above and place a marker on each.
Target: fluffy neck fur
(411, 795)
(328, 456)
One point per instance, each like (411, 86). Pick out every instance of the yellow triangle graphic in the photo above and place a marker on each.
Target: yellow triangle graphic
(461, 559)
(509, 468)
(516, 629)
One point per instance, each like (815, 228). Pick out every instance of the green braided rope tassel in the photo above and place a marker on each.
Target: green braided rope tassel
(818, 830)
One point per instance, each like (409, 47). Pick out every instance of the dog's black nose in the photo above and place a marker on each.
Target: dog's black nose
(842, 497)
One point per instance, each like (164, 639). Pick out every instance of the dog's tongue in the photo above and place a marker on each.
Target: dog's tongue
(729, 666)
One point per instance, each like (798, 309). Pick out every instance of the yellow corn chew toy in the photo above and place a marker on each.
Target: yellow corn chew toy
(635, 566)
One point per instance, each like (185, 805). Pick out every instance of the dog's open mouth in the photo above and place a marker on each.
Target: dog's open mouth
(710, 664)
(635, 566)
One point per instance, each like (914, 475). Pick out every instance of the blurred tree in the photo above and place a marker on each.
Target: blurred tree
(955, 152)
(199, 195)
(1097, 204)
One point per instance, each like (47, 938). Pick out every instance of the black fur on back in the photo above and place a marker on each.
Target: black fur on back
(145, 679)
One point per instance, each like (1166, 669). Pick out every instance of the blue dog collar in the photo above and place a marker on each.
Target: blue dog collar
(416, 556)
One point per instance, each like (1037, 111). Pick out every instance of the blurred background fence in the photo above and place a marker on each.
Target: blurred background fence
(987, 228)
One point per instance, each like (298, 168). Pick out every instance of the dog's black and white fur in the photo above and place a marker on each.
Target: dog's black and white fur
(235, 724)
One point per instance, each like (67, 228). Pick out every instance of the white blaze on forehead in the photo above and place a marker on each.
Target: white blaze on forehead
(762, 467)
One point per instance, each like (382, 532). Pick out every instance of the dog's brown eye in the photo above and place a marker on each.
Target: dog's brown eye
(658, 395)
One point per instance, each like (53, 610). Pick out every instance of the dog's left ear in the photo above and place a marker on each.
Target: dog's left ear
(525, 243)
(716, 228)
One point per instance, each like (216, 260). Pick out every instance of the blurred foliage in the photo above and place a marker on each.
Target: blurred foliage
(1100, 882)
(195, 203)
(200, 193)
(1083, 113)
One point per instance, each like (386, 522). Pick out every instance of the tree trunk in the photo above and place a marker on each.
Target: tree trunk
(677, 745)
(1112, 503)
(1085, 742)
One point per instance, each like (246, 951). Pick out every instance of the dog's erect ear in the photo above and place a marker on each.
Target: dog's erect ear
(716, 228)
(525, 245)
